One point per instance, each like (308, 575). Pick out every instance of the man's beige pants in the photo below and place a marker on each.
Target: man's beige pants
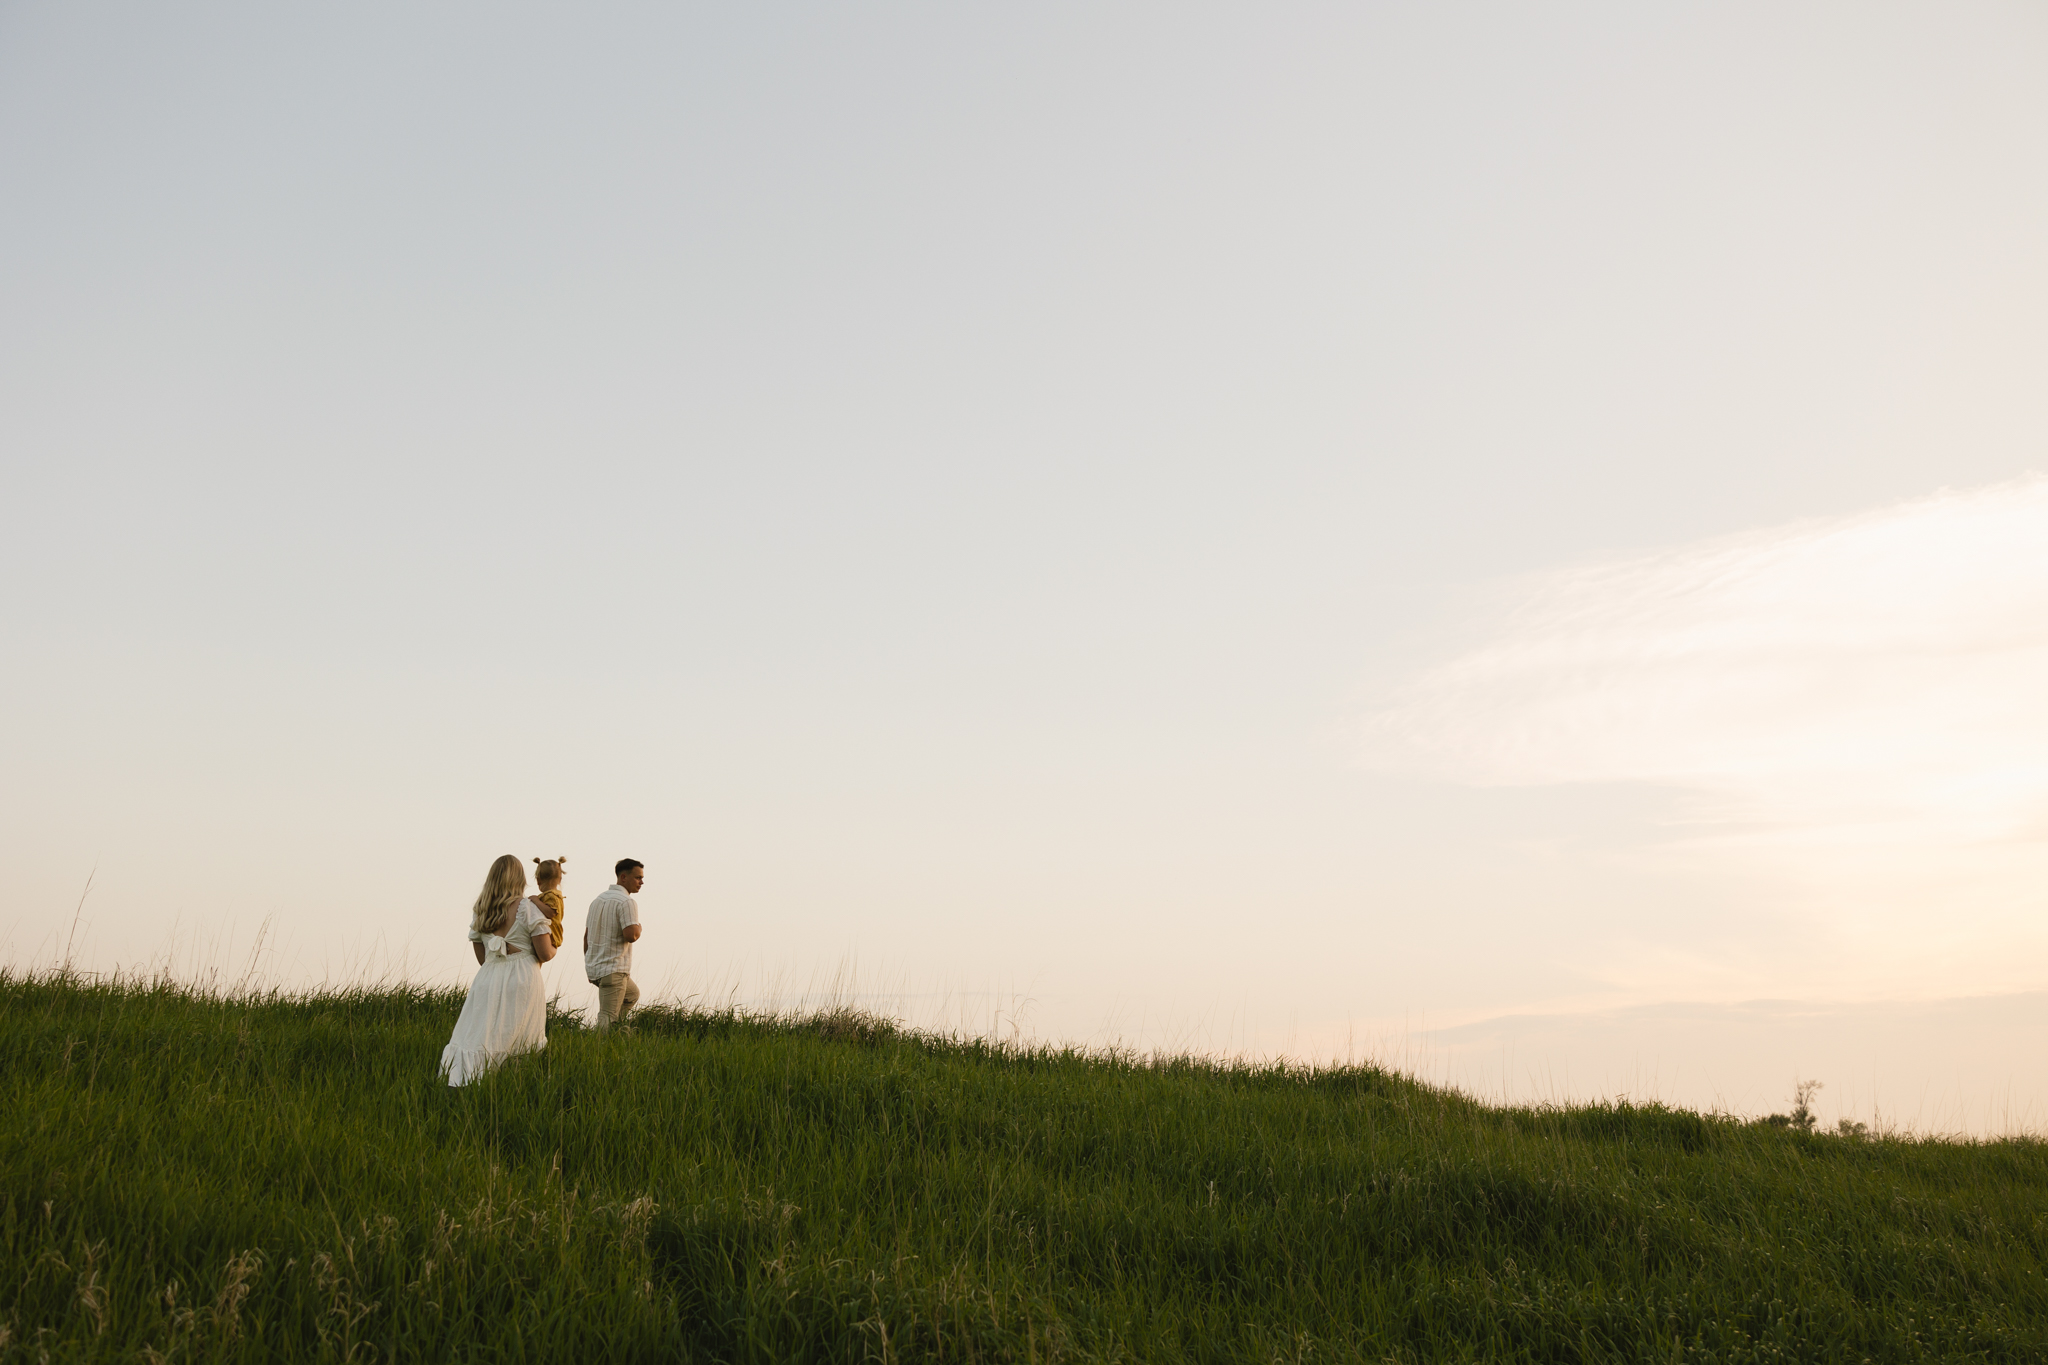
(616, 994)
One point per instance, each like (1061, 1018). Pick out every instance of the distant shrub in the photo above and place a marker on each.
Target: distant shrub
(1802, 1116)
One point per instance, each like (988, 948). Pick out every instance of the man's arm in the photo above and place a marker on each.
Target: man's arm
(631, 933)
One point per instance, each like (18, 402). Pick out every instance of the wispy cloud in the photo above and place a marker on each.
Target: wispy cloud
(1884, 673)
(1854, 712)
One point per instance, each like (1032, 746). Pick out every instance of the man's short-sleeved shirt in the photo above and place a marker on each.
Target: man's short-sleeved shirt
(610, 913)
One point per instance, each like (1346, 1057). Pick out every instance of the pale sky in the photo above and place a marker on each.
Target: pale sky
(1306, 529)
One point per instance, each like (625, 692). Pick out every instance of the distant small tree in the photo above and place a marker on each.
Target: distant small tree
(1801, 1116)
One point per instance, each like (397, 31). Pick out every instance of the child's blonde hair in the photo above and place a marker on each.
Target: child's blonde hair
(504, 886)
(548, 872)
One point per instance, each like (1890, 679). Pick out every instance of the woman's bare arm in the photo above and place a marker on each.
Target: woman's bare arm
(544, 946)
(478, 945)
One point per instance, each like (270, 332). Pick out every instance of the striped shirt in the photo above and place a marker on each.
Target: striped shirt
(607, 952)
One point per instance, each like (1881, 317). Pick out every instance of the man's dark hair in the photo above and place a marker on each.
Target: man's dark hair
(625, 865)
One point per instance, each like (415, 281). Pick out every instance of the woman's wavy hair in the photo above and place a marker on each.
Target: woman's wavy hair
(504, 887)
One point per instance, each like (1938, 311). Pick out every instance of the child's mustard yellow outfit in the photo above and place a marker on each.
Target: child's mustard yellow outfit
(552, 899)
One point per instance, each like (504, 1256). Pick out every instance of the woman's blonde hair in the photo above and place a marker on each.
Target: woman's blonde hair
(504, 887)
(548, 871)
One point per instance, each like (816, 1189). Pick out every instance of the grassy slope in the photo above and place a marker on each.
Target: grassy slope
(186, 1178)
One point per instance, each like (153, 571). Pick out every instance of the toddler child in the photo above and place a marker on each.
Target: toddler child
(548, 876)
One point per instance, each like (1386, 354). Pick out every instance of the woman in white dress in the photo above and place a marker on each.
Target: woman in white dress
(507, 1011)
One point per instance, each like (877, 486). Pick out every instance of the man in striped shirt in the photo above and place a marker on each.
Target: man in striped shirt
(609, 932)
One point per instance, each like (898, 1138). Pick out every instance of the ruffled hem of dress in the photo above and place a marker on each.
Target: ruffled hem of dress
(462, 1067)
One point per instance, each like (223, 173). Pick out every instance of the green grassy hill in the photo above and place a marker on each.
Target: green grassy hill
(196, 1179)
